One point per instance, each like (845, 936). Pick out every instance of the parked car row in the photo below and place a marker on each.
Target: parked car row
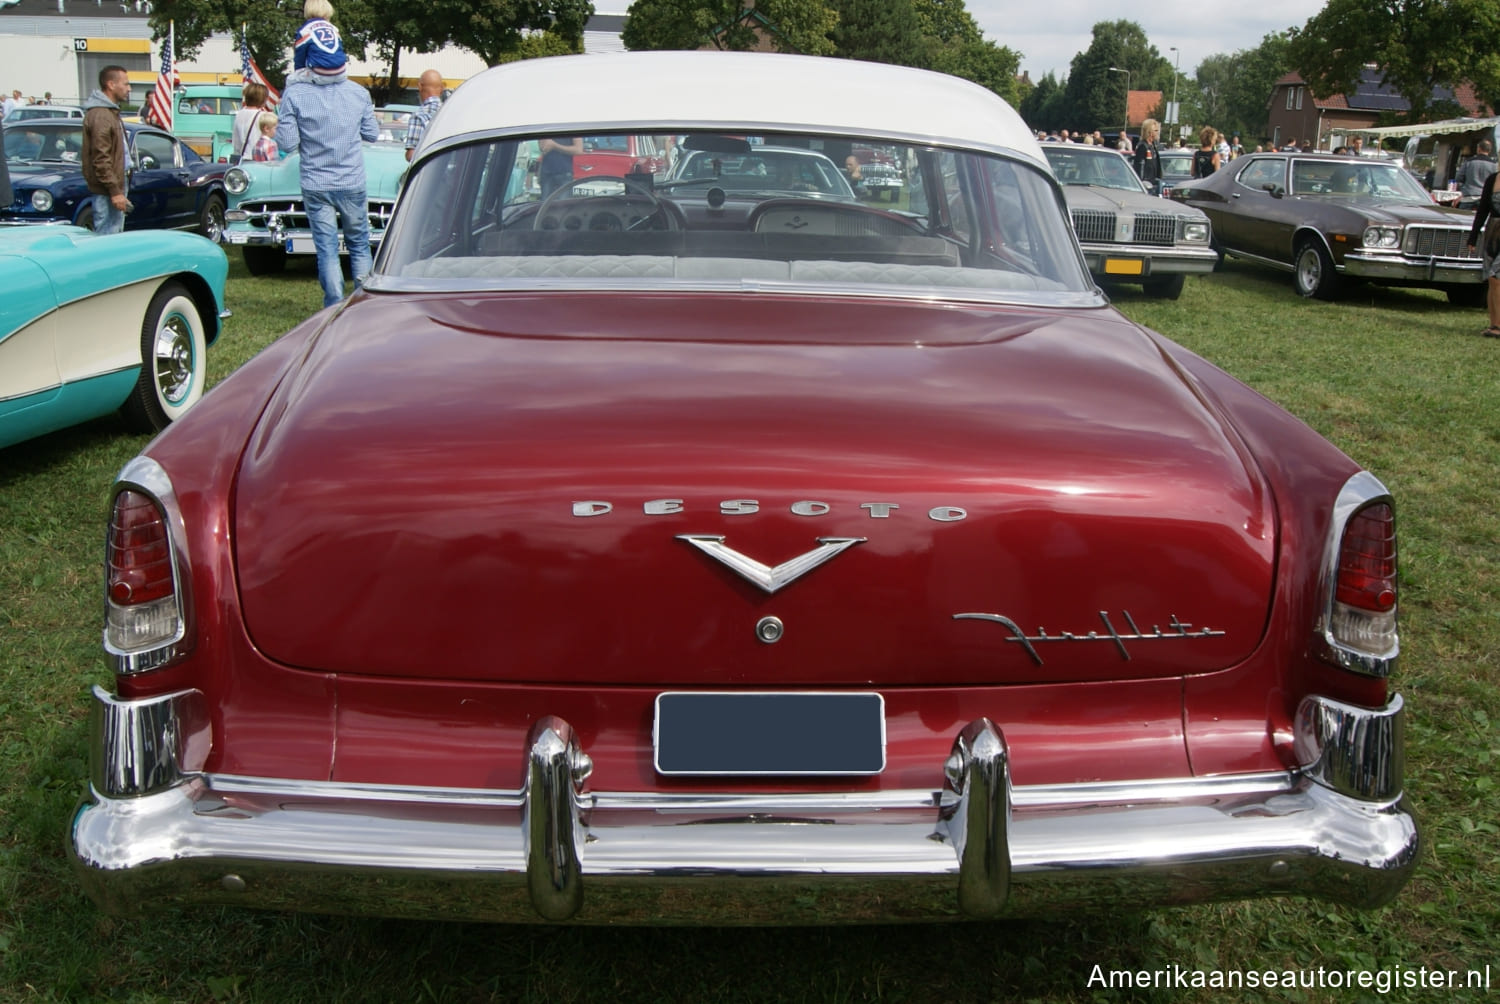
(171, 186)
(728, 550)
(93, 324)
(1327, 219)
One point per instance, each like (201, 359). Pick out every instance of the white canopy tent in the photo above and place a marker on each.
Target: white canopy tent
(1433, 128)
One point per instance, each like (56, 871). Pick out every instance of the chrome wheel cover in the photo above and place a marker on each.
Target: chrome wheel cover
(1309, 270)
(175, 359)
(213, 227)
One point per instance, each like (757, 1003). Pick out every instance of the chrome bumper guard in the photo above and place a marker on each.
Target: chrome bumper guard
(156, 828)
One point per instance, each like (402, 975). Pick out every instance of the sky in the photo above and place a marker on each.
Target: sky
(1049, 33)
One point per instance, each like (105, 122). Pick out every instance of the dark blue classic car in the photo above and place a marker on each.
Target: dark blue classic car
(171, 186)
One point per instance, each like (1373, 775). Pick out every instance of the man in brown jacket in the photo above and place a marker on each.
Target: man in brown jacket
(104, 150)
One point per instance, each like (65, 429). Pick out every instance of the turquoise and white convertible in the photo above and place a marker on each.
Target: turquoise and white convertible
(266, 218)
(90, 324)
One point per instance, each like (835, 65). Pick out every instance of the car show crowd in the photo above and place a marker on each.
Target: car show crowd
(323, 119)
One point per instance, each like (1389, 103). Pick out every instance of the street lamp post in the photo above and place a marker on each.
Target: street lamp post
(1116, 69)
(1176, 71)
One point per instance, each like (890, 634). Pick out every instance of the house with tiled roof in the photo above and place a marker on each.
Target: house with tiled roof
(1324, 123)
(1140, 105)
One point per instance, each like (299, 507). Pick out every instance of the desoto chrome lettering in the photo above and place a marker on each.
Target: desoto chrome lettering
(809, 508)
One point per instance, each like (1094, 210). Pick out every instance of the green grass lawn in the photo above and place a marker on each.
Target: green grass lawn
(1400, 380)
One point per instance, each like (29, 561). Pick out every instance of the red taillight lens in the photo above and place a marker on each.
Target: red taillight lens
(1367, 560)
(139, 560)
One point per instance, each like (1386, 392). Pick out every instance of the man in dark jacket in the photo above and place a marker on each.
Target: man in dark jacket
(104, 150)
(1146, 157)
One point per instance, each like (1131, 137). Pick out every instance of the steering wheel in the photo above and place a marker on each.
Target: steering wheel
(638, 208)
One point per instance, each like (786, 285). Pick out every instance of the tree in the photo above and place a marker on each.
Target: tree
(494, 29)
(390, 28)
(1234, 90)
(948, 21)
(269, 26)
(881, 31)
(1214, 76)
(1046, 106)
(791, 25)
(957, 46)
(991, 66)
(1096, 92)
(1417, 45)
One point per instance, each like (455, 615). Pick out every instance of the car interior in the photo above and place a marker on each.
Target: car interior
(732, 208)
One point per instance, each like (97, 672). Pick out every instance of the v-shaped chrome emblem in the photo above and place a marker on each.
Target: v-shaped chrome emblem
(766, 577)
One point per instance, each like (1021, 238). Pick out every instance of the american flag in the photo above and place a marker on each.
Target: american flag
(161, 102)
(251, 73)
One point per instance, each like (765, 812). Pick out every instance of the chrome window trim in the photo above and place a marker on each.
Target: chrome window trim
(585, 127)
(1073, 299)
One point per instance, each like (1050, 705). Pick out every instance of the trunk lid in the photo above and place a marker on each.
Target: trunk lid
(982, 495)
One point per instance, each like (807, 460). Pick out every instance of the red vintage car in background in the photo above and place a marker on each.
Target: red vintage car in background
(621, 154)
(645, 553)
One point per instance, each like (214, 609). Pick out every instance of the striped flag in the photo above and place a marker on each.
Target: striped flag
(160, 104)
(251, 73)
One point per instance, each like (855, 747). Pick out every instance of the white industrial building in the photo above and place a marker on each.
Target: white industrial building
(59, 46)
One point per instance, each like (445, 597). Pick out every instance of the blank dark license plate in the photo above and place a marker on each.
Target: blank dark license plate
(769, 733)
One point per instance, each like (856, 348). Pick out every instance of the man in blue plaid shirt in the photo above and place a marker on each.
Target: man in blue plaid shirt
(430, 93)
(325, 118)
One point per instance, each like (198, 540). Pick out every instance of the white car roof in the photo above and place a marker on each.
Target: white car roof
(745, 92)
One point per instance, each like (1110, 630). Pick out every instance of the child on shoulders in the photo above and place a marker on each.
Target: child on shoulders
(318, 53)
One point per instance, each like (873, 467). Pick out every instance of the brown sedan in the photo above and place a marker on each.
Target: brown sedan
(1326, 218)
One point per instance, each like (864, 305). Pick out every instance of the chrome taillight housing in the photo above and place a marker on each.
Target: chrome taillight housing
(145, 607)
(1358, 626)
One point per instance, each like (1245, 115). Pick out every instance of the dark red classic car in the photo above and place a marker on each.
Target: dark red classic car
(647, 554)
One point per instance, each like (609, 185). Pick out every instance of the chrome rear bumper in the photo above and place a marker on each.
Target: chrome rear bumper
(156, 829)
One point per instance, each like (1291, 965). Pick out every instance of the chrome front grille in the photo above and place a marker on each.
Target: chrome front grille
(1098, 226)
(1155, 228)
(292, 217)
(1094, 225)
(1439, 242)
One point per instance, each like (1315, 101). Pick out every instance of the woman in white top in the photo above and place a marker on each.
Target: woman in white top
(245, 131)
